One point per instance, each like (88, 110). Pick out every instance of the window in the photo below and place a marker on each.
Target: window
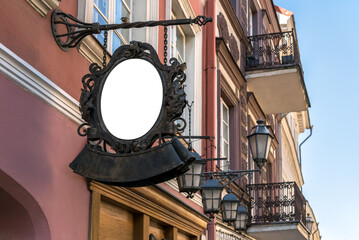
(240, 8)
(224, 137)
(112, 11)
(252, 19)
(178, 41)
(185, 44)
(250, 23)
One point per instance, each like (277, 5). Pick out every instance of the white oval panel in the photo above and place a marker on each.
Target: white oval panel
(131, 99)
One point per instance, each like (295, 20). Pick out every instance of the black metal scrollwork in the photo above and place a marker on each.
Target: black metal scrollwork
(272, 49)
(174, 99)
(276, 202)
(202, 20)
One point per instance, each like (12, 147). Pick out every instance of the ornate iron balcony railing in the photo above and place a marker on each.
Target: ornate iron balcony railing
(276, 202)
(271, 50)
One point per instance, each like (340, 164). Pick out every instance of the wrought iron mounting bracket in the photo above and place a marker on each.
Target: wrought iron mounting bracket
(76, 30)
(233, 175)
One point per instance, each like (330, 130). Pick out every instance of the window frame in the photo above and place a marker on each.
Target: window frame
(173, 43)
(224, 164)
(112, 19)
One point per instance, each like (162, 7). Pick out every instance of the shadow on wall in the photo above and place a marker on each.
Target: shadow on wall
(21, 217)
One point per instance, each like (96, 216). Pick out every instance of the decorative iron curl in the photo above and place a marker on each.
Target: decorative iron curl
(180, 125)
(202, 20)
(84, 130)
(95, 68)
(190, 195)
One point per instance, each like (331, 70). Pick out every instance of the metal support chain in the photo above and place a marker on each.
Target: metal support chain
(189, 126)
(165, 45)
(105, 49)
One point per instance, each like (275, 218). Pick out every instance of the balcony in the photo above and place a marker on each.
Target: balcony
(277, 212)
(274, 73)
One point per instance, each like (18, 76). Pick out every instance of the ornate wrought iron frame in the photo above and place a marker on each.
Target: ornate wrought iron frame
(174, 100)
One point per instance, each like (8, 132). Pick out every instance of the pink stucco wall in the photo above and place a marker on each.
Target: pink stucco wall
(15, 221)
(36, 145)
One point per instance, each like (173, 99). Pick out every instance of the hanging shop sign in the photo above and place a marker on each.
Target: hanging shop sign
(130, 108)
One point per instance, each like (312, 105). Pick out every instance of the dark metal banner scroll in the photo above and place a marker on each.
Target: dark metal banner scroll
(148, 167)
(132, 110)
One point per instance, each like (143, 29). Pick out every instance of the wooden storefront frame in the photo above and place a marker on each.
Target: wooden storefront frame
(147, 203)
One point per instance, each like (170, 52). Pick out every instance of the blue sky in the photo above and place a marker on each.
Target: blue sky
(328, 33)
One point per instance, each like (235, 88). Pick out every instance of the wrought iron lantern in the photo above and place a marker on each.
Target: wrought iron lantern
(211, 196)
(309, 222)
(240, 223)
(260, 141)
(229, 207)
(190, 182)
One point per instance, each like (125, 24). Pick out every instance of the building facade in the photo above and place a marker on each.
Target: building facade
(236, 74)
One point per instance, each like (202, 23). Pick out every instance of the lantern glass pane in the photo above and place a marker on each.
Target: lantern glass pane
(262, 145)
(191, 169)
(236, 224)
(180, 182)
(234, 210)
(206, 194)
(197, 168)
(216, 204)
(243, 217)
(217, 193)
(188, 180)
(196, 180)
(253, 146)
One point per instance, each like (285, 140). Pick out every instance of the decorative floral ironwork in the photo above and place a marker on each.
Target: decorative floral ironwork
(276, 202)
(174, 100)
(273, 49)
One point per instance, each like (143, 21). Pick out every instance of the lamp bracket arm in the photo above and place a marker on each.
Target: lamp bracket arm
(233, 175)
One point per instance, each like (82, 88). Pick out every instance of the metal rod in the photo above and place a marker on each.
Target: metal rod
(195, 137)
(214, 159)
(232, 172)
(77, 30)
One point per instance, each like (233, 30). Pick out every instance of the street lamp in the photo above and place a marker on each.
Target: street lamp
(211, 196)
(259, 142)
(229, 207)
(190, 181)
(309, 223)
(240, 223)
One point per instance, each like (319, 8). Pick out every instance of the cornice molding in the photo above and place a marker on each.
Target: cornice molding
(23, 74)
(43, 6)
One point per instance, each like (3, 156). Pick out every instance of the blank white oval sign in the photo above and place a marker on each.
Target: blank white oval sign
(131, 99)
